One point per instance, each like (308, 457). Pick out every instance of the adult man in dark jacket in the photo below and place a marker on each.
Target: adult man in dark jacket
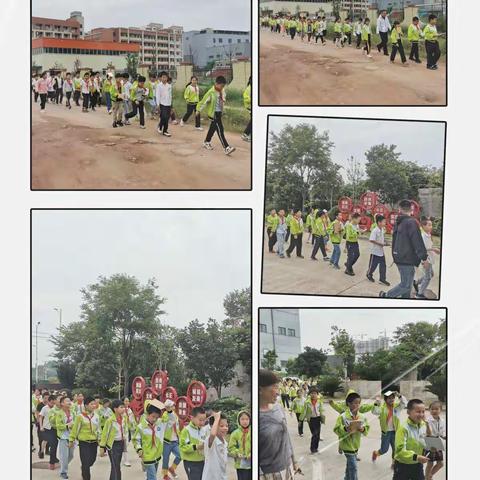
(408, 251)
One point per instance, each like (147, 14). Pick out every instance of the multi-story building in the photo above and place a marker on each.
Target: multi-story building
(372, 345)
(201, 47)
(71, 55)
(160, 48)
(356, 7)
(53, 28)
(293, 7)
(280, 331)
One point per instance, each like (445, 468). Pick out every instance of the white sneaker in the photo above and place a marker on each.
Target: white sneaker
(229, 150)
(199, 128)
(175, 122)
(181, 123)
(246, 138)
(369, 56)
(127, 122)
(166, 134)
(207, 145)
(127, 464)
(142, 126)
(159, 130)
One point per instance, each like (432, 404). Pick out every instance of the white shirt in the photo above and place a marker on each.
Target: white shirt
(163, 94)
(215, 460)
(427, 241)
(85, 86)
(377, 235)
(44, 414)
(437, 427)
(383, 24)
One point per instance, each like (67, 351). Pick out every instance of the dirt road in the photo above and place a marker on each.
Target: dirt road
(75, 150)
(295, 73)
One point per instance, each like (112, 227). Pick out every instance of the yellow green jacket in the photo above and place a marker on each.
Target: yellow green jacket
(347, 27)
(351, 232)
(63, 424)
(341, 407)
(191, 94)
(414, 33)
(247, 98)
(190, 438)
(86, 428)
(295, 227)
(337, 28)
(170, 419)
(336, 237)
(366, 31)
(410, 441)
(382, 413)
(396, 34)
(318, 227)
(350, 442)
(209, 100)
(149, 439)
(297, 405)
(110, 430)
(308, 408)
(272, 222)
(430, 32)
(115, 92)
(240, 446)
(52, 416)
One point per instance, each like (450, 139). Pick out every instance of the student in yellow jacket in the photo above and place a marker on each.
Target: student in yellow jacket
(272, 223)
(414, 34)
(352, 233)
(296, 235)
(215, 99)
(431, 43)
(113, 438)
(192, 97)
(410, 444)
(64, 422)
(319, 231)
(240, 447)
(335, 231)
(192, 442)
(397, 45)
(247, 103)
(297, 407)
(170, 441)
(313, 415)
(86, 430)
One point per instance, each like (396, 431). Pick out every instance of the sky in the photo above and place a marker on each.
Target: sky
(315, 323)
(190, 14)
(196, 257)
(419, 142)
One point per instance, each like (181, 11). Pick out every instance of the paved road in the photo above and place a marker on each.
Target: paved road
(101, 469)
(296, 275)
(328, 464)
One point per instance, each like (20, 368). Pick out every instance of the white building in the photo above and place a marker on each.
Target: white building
(371, 345)
(293, 7)
(280, 331)
(54, 28)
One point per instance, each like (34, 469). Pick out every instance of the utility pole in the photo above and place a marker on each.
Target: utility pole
(36, 353)
(59, 310)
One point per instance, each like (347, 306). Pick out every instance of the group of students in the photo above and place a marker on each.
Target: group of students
(126, 98)
(359, 32)
(321, 230)
(406, 438)
(105, 427)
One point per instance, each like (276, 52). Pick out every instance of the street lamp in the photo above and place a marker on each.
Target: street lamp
(59, 310)
(36, 353)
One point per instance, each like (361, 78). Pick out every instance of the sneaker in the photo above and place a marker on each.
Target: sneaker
(143, 127)
(229, 150)
(313, 258)
(300, 256)
(175, 122)
(207, 145)
(93, 109)
(369, 56)
(199, 129)
(127, 464)
(350, 273)
(384, 282)
(418, 61)
(374, 456)
(245, 137)
(181, 123)
(382, 294)
(418, 296)
(109, 112)
(370, 278)
(166, 134)
(288, 255)
(159, 130)
(326, 259)
(127, 122)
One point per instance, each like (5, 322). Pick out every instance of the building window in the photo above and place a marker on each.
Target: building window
(229, 40)
(282, 331)
(291, 332)
(263, 328)
(239, 40)
(220, 40)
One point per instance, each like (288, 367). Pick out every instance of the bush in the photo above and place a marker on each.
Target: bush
(330, 384)
(230, 407)
(438, 386)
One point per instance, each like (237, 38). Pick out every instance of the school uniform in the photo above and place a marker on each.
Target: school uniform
(353, 250)
(358, 33)
(138, 96)
(281, 233)
(409, 444)
(247, 103)
(171, 441)
(113, 440)
(414, 34)
(437, 429)
(296, 237)
(347, 30)
(42, 88)
(215, 102)
(319, 232)
(116, 94)
(193, 459)
(216, 457)
(85, 89)
(148, 438)
(272, 223)
(192, 97)
(127, 104)
(292, 28)
(77, 85)
(427, 276)
(53, 439)
(397, 45)
(321, 31)
(431, 45)
(297, 407)
(367, 37)
(335, 231)
(377, 255)
(164, 99)
(68, 90)
(312, 414)
(64, 423)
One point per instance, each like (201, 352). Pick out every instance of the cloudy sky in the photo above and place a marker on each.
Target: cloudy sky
(191, 14)
(197, 257)
(315, 323)
(420, 142)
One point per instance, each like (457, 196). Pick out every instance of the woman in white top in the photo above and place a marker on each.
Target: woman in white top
(216, 449)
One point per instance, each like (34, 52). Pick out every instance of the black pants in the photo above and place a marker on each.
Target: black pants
(137, 107)
(309, 36)
(398, 47)
(53, 444)
(359, 39)
(115, 455)
(319, 243)
(384, 43)
(285, 400)
(191, 108)
(244, 474)
(164, 117)
(287, 236)
(69, 96)
(86, 100)
(402, 471)
(194, 469)
(293, 31)
(43, 100)
(88, 455)
(300, 424)
(248, 128)
(349, 36)
(216, 125)
(94, 99)
(377, 261)
(272, 239)
(319, 35)
(353, 254)
(315, 426)
(368, 44)
(76, 97)
(433, 53)
(414, 55)
(35, 96)
(59, 95)
(295, 243)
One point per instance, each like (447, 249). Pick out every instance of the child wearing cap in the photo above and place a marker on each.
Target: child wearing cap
(170, 441)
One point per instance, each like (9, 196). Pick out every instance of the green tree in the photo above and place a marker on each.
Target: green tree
(311, 362)
(343, 345)
(355, 176)
(132, 63)
(330, 385)
(376, 366)
(270, 360)
(300, 156)
(438, 386)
